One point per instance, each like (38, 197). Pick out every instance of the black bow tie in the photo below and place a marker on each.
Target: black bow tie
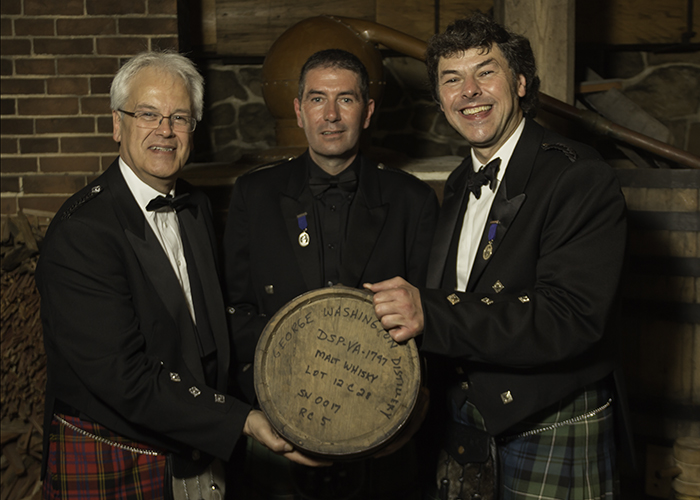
(487, 174)
(175, 203)
(347, 181)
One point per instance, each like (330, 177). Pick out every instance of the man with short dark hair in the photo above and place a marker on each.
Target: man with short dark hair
(134, 321)
(524, 270)
(331, 216)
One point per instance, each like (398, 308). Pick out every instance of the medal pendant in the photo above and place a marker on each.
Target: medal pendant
(488, 250)
(304, 239)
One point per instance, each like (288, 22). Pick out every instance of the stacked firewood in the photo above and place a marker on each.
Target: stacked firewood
(23, 363)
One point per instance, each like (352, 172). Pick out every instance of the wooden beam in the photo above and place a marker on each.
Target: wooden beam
(549, 25)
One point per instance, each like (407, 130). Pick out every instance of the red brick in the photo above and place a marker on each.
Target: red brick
(164, 43)
(88, 144)
(73, 125)
(35, 66)
(107, 161)
(104, 124)
(45, 184)
(163, 7)
(8, 107)
(18, 164)
(125, 45)
(65, 163)
(8, 146)
(48, 106)
(102, 8)
(88, 66)
(67, 46)
(6, 26)
(11, 7)
(86, 26)
(17, 126)
(34, 27)
(148, 26)
(8, 204)
(38, 145)
(95, 105)
(100, 84)
(10, 185)
(22, 86)
(42, 203)
(52, 7)
(70, 86)
(15, 47)
(6, 67)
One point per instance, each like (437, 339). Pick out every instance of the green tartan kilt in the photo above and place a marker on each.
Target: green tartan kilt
(566, 452)
(573, 461)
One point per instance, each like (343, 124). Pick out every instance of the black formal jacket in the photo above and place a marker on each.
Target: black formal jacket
(531, 327)
(389, 233)
(119, 338)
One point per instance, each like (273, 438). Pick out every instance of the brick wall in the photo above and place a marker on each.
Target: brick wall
(58, 58)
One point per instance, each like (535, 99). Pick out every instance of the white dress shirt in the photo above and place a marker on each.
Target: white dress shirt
(478, 210)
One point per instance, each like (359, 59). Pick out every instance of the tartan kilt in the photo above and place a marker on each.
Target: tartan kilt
(574, 461)
(568, 462)
(81, 467)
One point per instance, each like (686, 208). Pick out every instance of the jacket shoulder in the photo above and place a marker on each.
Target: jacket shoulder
(272, 168)
(573, 151)
(81, 199)
(400, 178)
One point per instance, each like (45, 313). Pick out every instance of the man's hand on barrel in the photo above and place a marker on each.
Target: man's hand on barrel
(259, 428)
(398, 306)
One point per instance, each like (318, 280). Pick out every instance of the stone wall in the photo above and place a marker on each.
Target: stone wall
(236, 119)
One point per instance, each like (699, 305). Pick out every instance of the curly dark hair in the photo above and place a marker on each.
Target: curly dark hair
(480, 31)
(336, 59)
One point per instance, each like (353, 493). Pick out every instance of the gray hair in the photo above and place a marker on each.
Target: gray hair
(172, 62)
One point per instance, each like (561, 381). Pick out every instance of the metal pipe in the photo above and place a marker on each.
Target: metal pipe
(415, 48)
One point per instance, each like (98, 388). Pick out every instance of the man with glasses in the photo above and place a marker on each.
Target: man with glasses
(133, 316)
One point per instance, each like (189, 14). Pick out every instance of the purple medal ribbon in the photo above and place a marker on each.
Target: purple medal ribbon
(304, 235)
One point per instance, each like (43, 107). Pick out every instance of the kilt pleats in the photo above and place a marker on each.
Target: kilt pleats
(110, 467)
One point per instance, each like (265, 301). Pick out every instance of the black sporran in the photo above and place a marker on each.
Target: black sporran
(467, 465)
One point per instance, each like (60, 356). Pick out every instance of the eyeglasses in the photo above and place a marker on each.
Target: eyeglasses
(152, 120)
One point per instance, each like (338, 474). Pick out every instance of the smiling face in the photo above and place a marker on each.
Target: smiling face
(480, 99)
(333, 116)
(155, 155)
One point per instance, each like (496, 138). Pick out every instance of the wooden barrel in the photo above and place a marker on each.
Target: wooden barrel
(686, 453)
(660, 327)
(330, 379)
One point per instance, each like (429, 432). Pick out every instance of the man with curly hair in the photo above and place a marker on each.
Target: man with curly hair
(522, 280)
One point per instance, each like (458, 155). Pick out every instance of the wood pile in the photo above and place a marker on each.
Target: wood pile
(23, 362)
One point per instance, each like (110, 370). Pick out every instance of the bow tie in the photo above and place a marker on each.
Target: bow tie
(347, 181)
(175, 203)
(486, 175)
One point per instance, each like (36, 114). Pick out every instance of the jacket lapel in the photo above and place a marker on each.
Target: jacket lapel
(505, 209)
(365, 222)
(297, 200)
(449, 213)
(155, 265)
(192, 221)
(502, 213)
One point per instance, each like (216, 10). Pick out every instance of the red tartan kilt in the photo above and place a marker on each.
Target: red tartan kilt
(81, 467)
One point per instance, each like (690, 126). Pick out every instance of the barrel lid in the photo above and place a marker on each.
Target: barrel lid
(330, 379)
